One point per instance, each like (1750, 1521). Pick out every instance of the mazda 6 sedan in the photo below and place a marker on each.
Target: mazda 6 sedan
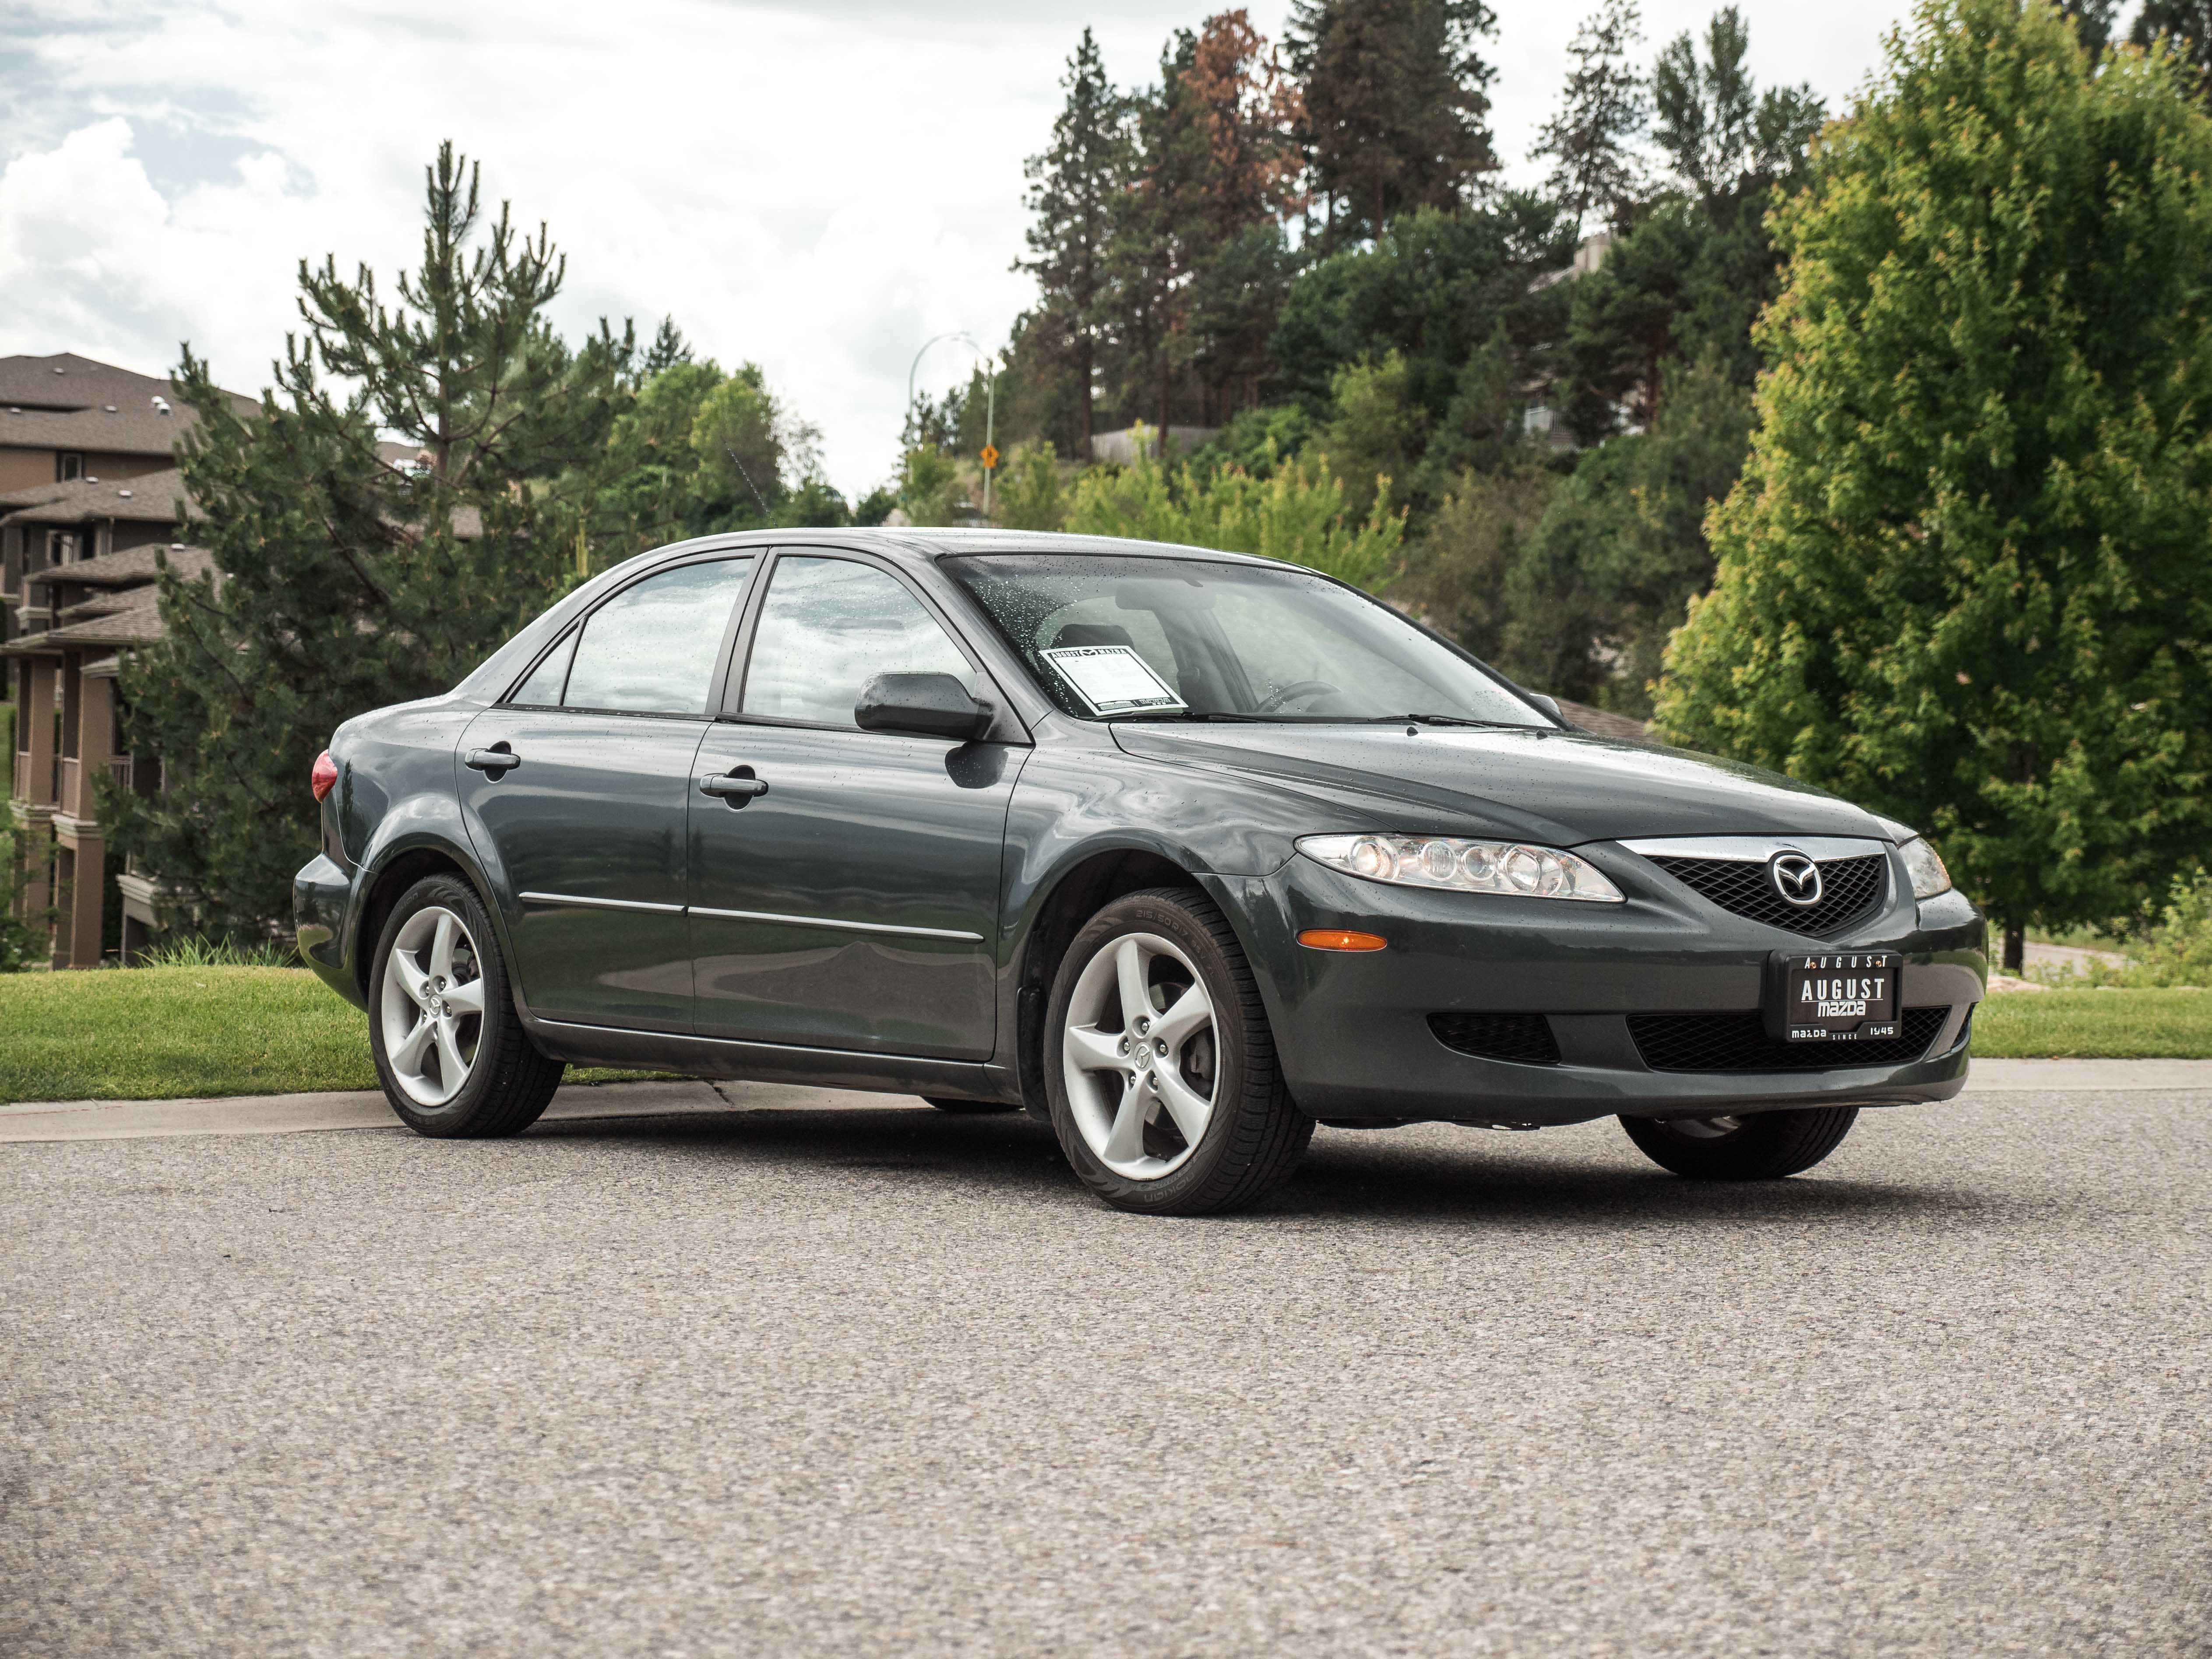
(1179, 850)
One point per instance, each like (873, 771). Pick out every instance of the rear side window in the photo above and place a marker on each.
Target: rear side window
(546, 682)
(830, 626)
(649, 650)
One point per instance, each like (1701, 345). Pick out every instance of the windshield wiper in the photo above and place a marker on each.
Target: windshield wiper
(1444, 719)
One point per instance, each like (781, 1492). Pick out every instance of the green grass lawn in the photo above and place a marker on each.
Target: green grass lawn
(167, 1033)
(2095, 1025)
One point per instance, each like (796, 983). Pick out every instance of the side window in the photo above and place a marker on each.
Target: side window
(543, 689)
(830, 626)
(650, 649)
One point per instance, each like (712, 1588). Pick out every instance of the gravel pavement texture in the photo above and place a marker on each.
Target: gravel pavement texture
(867, 1378)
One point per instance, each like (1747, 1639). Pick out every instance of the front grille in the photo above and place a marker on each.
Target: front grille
(1739, 1042)
(1848, 889)
(1524, 1039)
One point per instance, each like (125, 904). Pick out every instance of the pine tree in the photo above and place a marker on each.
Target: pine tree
(1244, 110)
(1602, 109)
(669, 348)
(344, 581)
(1394, 103)
(1728, 141)
(1199, 260)
(1609, 574)
(1964, 577)
(1075, 185)
(1160, 231)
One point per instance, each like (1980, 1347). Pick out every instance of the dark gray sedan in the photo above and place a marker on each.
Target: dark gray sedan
(1181, 850)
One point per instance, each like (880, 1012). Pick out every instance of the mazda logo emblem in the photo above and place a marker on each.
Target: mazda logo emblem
(1796, 877)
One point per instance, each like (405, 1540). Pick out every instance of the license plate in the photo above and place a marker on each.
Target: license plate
(1850, 997)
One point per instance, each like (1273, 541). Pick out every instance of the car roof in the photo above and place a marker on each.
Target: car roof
(921, 545)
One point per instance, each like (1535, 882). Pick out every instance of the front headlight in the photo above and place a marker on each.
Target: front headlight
(1504, 867)
(1929, 876)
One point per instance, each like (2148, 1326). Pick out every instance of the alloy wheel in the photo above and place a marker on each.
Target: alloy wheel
(434, 1005)
(1140, 1056)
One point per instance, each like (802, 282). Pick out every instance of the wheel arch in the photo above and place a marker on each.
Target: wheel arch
(395, 870)
(1083, 889)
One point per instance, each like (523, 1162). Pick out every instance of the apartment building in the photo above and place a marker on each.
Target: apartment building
(90, 500)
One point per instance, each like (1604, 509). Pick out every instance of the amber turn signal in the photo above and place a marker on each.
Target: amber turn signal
(1342, 939)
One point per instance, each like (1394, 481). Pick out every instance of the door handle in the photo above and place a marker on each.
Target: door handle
(495, 762)
(736, 787)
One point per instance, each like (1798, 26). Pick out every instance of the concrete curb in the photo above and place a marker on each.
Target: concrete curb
(366, 1109)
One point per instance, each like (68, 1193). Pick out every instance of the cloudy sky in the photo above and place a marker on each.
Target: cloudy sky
(818, 186)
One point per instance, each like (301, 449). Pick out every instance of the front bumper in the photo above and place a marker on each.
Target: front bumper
(1353, 1031)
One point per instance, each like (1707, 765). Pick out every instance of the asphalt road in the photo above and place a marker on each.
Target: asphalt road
(877, 1381)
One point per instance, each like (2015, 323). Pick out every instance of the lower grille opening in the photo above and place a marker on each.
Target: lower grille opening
(1524, 1039)
(1739, 1042)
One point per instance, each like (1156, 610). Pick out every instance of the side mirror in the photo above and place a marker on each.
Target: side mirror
(928, 705)
(1550, 706)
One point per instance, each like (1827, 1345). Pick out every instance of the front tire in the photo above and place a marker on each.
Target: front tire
(448, 1043)
(1162, 1075)
(1763, 1146)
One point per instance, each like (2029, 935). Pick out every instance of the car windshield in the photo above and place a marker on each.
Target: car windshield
(1122, 638)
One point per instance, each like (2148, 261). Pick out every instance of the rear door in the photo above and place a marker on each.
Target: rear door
(575, 791)
(854, 904)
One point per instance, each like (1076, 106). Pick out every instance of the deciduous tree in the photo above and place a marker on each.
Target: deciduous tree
(1964, 577)
(2186, 28)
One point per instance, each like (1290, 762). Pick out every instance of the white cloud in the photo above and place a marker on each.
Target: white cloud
(817, 187)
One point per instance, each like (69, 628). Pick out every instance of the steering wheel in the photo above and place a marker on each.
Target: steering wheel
(1295, 689)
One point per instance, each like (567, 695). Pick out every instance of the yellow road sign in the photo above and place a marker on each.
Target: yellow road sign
(990, 455)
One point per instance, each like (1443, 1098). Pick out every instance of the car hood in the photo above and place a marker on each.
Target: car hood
(1560, 787)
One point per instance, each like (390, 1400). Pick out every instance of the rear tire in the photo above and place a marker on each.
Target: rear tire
(944, 1104)
(1761, 1146)
(1155, 1029)
(448, 1043)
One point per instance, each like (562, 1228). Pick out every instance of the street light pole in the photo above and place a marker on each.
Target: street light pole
(990, 428)
(989, 365)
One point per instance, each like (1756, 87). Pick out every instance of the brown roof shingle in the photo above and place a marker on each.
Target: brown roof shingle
(132, 566)
(149, 498)
(126, 430)
(138, 623)
(66, 381)
(35, 495)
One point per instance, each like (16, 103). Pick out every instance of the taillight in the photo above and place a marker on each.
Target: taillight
(325, 774)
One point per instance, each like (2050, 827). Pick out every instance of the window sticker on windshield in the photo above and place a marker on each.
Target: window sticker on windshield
(1112, 678)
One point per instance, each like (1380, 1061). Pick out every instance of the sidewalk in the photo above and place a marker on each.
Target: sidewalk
(277, 1114)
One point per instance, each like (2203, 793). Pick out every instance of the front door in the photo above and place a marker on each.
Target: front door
(576, 791)
(854, 904)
